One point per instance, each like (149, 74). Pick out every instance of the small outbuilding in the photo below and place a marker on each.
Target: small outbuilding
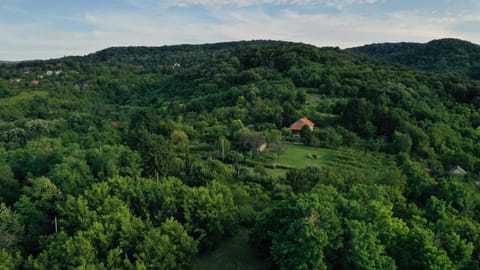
(457, 170)
(261, 146)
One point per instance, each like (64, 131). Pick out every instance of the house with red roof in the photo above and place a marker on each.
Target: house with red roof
(297, 125)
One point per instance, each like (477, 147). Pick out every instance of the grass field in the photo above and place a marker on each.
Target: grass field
(233, 254)
(300, 156)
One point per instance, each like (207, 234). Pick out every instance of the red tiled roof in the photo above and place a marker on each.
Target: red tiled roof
(300, 123)
(296, 126)
(307, 122)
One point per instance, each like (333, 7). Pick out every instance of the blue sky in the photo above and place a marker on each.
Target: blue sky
(40, 29)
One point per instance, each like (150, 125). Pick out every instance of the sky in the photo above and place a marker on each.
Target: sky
(42, 29)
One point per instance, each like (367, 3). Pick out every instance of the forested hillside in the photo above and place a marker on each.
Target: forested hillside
(442, 56)
(150, 158)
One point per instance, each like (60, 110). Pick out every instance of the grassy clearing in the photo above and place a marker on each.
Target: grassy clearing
(234, 253)
(300, 156)
(24, 96)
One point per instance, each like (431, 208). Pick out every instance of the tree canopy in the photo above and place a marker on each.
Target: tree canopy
(148, 157)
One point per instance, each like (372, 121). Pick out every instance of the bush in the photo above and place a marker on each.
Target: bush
(270, 166)
(234, 157)
(282, 166)
(259, 169)
(247, 215)
(328, 137)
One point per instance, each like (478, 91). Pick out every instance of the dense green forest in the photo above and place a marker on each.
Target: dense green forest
(442, 56)
(147, 158)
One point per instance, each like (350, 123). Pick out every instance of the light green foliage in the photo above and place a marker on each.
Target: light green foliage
(419, 183)
(160, 158)
(300, 231)
(148, 198)
(35, 158)
(11, 229)
(43, 193)
(108, 161)
(300, 246)
(22, 97)
(418, 249)
(210, 213)
(363, 250)
(211, 170)
(168, 247)
(343, 161)
(72, 175)
(368, 235)
(146, 157)
(9, 261)
(128, 241)
(68, 253)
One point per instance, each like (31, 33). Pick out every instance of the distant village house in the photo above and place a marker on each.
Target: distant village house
(51, 72)
(297, 126)
(457, 170)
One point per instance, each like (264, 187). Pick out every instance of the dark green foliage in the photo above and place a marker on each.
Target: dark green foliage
(306, 135)
(358, 116)
(402, 143)
(443, 55)
(9, 186)
(302, 180)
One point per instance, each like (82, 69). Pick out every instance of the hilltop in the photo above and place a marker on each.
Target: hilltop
(443, 55)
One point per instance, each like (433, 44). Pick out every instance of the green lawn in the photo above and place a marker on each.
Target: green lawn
(233, 254)
(300, 156)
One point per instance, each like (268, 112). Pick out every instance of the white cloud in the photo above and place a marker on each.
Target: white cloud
(319, 29)
(109, 28)
(244, 3)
